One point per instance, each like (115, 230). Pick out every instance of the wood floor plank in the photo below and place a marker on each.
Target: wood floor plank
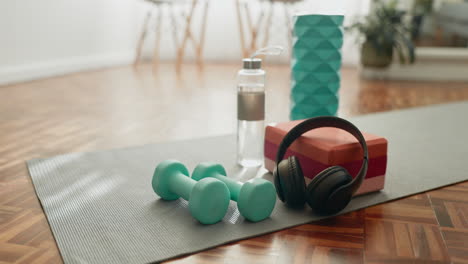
(392, 241)
(12, 252)
(416, 209)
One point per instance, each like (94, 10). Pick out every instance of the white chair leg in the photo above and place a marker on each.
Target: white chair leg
(287, 17)
(267, 27)
(141, 40)
(157, 40)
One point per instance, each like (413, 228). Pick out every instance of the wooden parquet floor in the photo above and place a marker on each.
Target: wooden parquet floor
(123, 107)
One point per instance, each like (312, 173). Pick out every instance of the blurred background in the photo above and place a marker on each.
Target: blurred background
(56, 36)
(51, 37)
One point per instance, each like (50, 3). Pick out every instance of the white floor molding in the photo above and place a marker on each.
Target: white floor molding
(21, 73)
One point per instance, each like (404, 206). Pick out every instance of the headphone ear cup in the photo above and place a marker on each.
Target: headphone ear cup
(297, 197)
(327, 185)
(277, 181)
(290, 183)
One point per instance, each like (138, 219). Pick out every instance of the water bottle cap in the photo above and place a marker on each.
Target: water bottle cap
(256, 63)
(252, 63)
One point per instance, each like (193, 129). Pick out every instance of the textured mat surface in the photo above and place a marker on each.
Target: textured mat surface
(102, 209)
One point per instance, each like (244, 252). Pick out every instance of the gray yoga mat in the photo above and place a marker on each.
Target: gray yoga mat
(102, 209)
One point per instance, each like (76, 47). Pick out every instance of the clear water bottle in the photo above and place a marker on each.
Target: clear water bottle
(250, 113)
(251, 108)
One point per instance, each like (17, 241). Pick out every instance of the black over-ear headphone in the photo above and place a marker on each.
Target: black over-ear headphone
(330, 190)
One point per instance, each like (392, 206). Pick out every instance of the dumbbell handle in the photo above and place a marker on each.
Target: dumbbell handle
(233, 186)
(181, 185)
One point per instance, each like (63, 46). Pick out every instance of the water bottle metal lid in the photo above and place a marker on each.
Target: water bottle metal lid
(252, 63)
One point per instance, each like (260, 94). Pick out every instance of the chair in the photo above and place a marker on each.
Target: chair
(170, 8)
(251, 37)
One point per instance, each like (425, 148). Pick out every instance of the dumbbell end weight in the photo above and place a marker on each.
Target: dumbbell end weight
(209, 201)
(257, 199)
(163, 177)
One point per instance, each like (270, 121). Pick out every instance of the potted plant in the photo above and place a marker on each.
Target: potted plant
(384, 31)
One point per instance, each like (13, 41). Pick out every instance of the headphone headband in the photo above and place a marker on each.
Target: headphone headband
(326, 121)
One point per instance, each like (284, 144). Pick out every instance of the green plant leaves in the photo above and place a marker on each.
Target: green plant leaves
(385, 28)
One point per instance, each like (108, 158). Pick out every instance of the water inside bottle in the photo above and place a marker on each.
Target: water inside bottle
(250, 139)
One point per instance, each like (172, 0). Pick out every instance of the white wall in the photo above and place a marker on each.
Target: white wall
(51, 37)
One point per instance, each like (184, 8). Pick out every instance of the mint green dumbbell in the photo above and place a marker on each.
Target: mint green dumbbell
(255, 199)
(208, 199)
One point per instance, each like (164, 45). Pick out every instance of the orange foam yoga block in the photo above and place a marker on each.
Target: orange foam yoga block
(321, 148)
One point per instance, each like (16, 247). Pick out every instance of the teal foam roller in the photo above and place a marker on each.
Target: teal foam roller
(315, 65)
(315, 19)
(304, 112)
(308, 65)
(208, 199)
(321, 25)
(318, 42)
(256, 199)
(299, 90)
(310, 78)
